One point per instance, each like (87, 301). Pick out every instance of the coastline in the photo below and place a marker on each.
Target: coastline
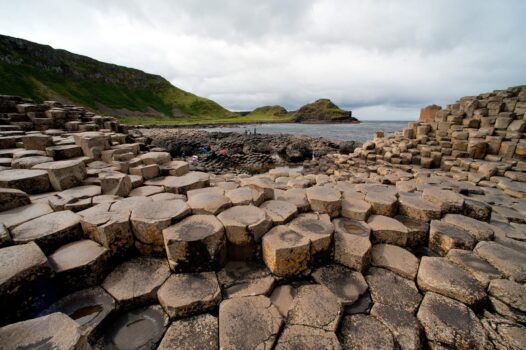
(228, 124)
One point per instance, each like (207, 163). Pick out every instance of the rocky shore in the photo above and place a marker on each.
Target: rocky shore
(244, 153)
(411, 241)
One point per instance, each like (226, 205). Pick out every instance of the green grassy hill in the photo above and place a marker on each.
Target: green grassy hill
(322, 110)
(42, 73)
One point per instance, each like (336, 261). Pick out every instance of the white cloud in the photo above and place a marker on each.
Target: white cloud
(383, 59)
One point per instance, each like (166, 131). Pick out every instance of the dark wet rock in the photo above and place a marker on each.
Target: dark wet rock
(451, 323)
(404, 326)
(347, 285)
(11, 198)
(187, 294)
(23, 268)
(405, 296)
(195, 244)
(140, 328)
(198, 332)
(248, 323)
(365, 332)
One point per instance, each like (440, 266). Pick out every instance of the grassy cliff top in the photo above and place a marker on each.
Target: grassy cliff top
(323, 110)
(43, 73)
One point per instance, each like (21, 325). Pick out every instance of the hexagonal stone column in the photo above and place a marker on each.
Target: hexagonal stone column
(37, 142)
(140, 328)
(11, 198)
(198, 332)
(285, 251)
(149, 219)
(244, 227)
(208, 202)
(303, 337)
(296, 196)
(324, 200)
(388, 230)
(352, 247)
(383, 203)
(443, 237)
(381, 283)
(115, 183)
(111, 229)
(23, 268)
(441, 276)
(14, 217)
(448, 201)
(187, 294)
(79, 264)
(396, 259)
(404, 326)
(319, 231)
(240, 278)
(280, 212)
(136, 281)
(414, 206)
(55, 331)
(450, 322)
(345, 284)
(195, 244)
(315, 306)
(49, 231)
(248, 323)
(507, 260)
(356, 209)
(245, 196)
(27, 180)
(64, 174)
(88, 307)
(365, 332)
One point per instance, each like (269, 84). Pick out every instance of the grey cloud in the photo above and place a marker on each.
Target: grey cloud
(383, 58)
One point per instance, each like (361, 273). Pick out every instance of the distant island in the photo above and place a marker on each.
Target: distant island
(135, 97)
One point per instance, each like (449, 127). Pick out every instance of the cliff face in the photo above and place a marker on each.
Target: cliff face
(323, 110)
(43, 73)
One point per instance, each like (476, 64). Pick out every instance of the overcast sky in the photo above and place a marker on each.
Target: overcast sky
(382, 59)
